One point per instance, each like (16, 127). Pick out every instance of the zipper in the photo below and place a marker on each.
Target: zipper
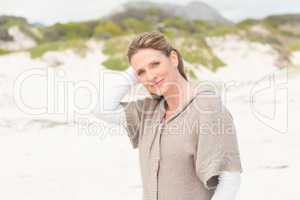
(158, 162)
(157, 181)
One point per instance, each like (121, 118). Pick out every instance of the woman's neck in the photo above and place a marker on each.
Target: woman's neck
(178, 94)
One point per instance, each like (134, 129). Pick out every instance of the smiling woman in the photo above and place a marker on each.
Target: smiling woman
(178, 159)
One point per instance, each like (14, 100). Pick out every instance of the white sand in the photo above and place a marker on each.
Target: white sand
(295, 58)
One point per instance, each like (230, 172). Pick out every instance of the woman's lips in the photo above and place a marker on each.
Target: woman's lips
(158, 83)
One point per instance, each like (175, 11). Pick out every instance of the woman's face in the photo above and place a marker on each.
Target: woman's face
(156, 71)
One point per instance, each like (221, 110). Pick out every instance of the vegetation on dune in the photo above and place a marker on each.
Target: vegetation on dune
(3, 52)
(279, 31)
(9, 21)
(178, 23)
(222, 30)
(115, 49)
(276, 20)
(107, 29)
(192, 33)
(132, 25)
(195, 50)
(295, 46)
(188, 36)
(246, 23)
(115, 63)
(78, 46)
(4, 35)
(67, 31)
(191, 74)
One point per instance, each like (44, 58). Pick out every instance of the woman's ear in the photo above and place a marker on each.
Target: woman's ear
(174, 58)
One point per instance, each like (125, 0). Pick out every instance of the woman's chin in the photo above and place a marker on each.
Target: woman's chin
(157, 92)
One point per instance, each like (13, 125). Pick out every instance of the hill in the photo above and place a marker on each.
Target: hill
(190, 32)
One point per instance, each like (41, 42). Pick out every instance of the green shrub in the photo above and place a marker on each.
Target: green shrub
(294, 46)
(116, 45)
(195, 50)
(115, 63)
(33, 33)
(135, 25)
(68, 31)
(191, 73)
(223, 30)
(246, 23)
(3, 52)
(116, 49)
(9, 21)
(262, 39)
(202, 27)
(176, 22)
(77, 45)
(107, 29)
(216, 63)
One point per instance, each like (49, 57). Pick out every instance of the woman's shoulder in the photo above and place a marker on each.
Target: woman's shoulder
(145, 104)
(209, 105)
(207, 98)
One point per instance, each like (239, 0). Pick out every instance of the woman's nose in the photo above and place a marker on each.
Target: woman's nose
(151, 77)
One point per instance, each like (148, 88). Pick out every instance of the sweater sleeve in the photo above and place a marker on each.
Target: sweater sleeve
(217, 149)
(114, 86)
(228, 186)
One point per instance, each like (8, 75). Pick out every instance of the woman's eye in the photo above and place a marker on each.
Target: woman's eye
(156, 63)
(139, 73)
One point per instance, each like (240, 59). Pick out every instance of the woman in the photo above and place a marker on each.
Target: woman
(187, 143)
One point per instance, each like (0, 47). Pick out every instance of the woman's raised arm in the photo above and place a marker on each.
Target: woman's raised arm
(114, 86)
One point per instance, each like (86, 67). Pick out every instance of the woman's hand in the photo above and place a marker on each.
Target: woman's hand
(132, 75)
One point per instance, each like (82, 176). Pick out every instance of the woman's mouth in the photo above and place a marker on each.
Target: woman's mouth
(158, 83)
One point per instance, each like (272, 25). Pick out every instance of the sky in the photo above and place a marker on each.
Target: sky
(52, 11)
